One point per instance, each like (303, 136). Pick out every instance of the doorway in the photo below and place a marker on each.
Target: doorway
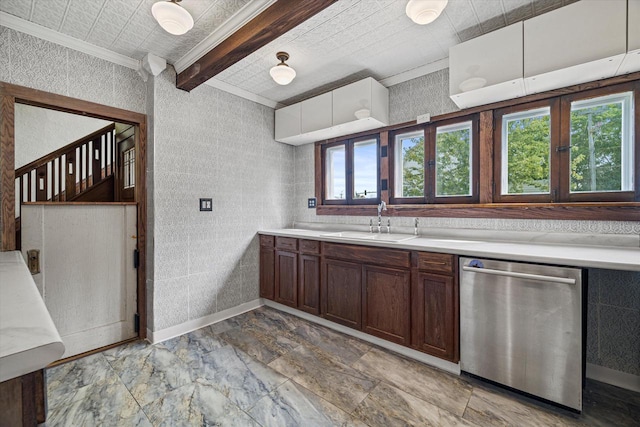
(131, 207)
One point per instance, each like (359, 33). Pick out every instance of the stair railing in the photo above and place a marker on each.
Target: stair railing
(64, 174)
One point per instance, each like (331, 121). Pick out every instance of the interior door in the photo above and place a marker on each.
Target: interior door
(87, 276)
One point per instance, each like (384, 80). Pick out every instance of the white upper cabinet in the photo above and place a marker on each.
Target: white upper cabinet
(287, 122)
(488, 68)
(631, 62)
(363, 99)
(316, 113)
(578, 43)
(360, 106)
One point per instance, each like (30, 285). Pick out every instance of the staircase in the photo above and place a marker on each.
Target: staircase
(82, 171)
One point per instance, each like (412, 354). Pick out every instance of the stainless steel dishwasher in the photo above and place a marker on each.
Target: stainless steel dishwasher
(521, 325)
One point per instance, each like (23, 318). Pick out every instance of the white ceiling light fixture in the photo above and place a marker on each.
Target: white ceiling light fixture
(172, 17)
(424, 12)
(282, 73)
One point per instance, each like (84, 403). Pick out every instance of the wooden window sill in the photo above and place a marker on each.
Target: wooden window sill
(614, 211)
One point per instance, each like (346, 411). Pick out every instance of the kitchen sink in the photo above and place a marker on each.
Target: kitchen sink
(363, 235)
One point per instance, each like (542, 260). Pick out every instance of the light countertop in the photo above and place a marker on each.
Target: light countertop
(578, 255)
(29, 340)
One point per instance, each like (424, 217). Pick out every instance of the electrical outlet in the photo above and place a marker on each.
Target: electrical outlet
(206, 205)
(423, 118)
(311, 202)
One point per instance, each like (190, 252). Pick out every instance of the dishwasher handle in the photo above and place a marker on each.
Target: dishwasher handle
(539, 277)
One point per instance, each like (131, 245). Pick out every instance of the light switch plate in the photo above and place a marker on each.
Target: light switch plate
(311, 202)
(206, 205)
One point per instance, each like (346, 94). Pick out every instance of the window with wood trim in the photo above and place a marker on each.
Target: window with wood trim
(129, 168)
(435, 163)
(524, 136)
(579, 147)
(351, 171)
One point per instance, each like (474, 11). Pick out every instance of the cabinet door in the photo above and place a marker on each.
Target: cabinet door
(434, 326)
(287, 122)
(316, 113)
(309, 283)
(385, 303)
(267, 272)
(342, 292)
(286, 278)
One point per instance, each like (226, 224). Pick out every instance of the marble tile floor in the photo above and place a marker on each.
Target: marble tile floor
(268, 368)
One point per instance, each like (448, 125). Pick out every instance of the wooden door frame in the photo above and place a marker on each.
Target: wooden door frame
(10, 95)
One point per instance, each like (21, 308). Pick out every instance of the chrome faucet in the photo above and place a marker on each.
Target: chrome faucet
(415, 227)
(381, 207)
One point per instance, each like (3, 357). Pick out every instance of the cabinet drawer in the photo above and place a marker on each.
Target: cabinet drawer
(367, 255)
(440, 263)
(287, 243)
(266, 241)
(309, 246)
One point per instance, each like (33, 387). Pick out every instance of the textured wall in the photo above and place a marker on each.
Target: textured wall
(39, 64)
(39, 131)
(209, 143)
(614, 296)
(425, 94)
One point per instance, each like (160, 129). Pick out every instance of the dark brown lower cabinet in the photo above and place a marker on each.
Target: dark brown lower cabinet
(309, 283)
(267, 273)
(267, 268)
(435, 315)
(406, 297)
(342, 292)
(385, 303)
(286, 278)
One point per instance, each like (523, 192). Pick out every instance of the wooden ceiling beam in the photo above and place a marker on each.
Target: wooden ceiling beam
(273, 22)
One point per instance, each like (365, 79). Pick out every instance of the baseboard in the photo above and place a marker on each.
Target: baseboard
(454, 368)
(186, 327)
(613, 377)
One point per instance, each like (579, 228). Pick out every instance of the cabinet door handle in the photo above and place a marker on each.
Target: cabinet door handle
(435, 262)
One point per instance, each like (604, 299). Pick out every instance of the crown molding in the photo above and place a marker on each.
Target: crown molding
(234, 90)
(228, 27)
(416, 72)
(23, 26)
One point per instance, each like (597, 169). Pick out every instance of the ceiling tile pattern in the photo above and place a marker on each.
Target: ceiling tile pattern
(359, 38)
(348, 41)
(124, 26)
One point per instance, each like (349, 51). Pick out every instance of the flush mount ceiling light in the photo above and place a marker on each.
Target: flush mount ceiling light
(423, 12)
(172, 17)
(282, 73)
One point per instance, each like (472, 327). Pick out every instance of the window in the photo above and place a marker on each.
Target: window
(436, 163)
(579, 151)
(526, 151)
(409, 167)
(351, 171)
(335, 167)
(454, 160)
(365, 169)
(129, 168)
(601, 144)
(578, 147)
